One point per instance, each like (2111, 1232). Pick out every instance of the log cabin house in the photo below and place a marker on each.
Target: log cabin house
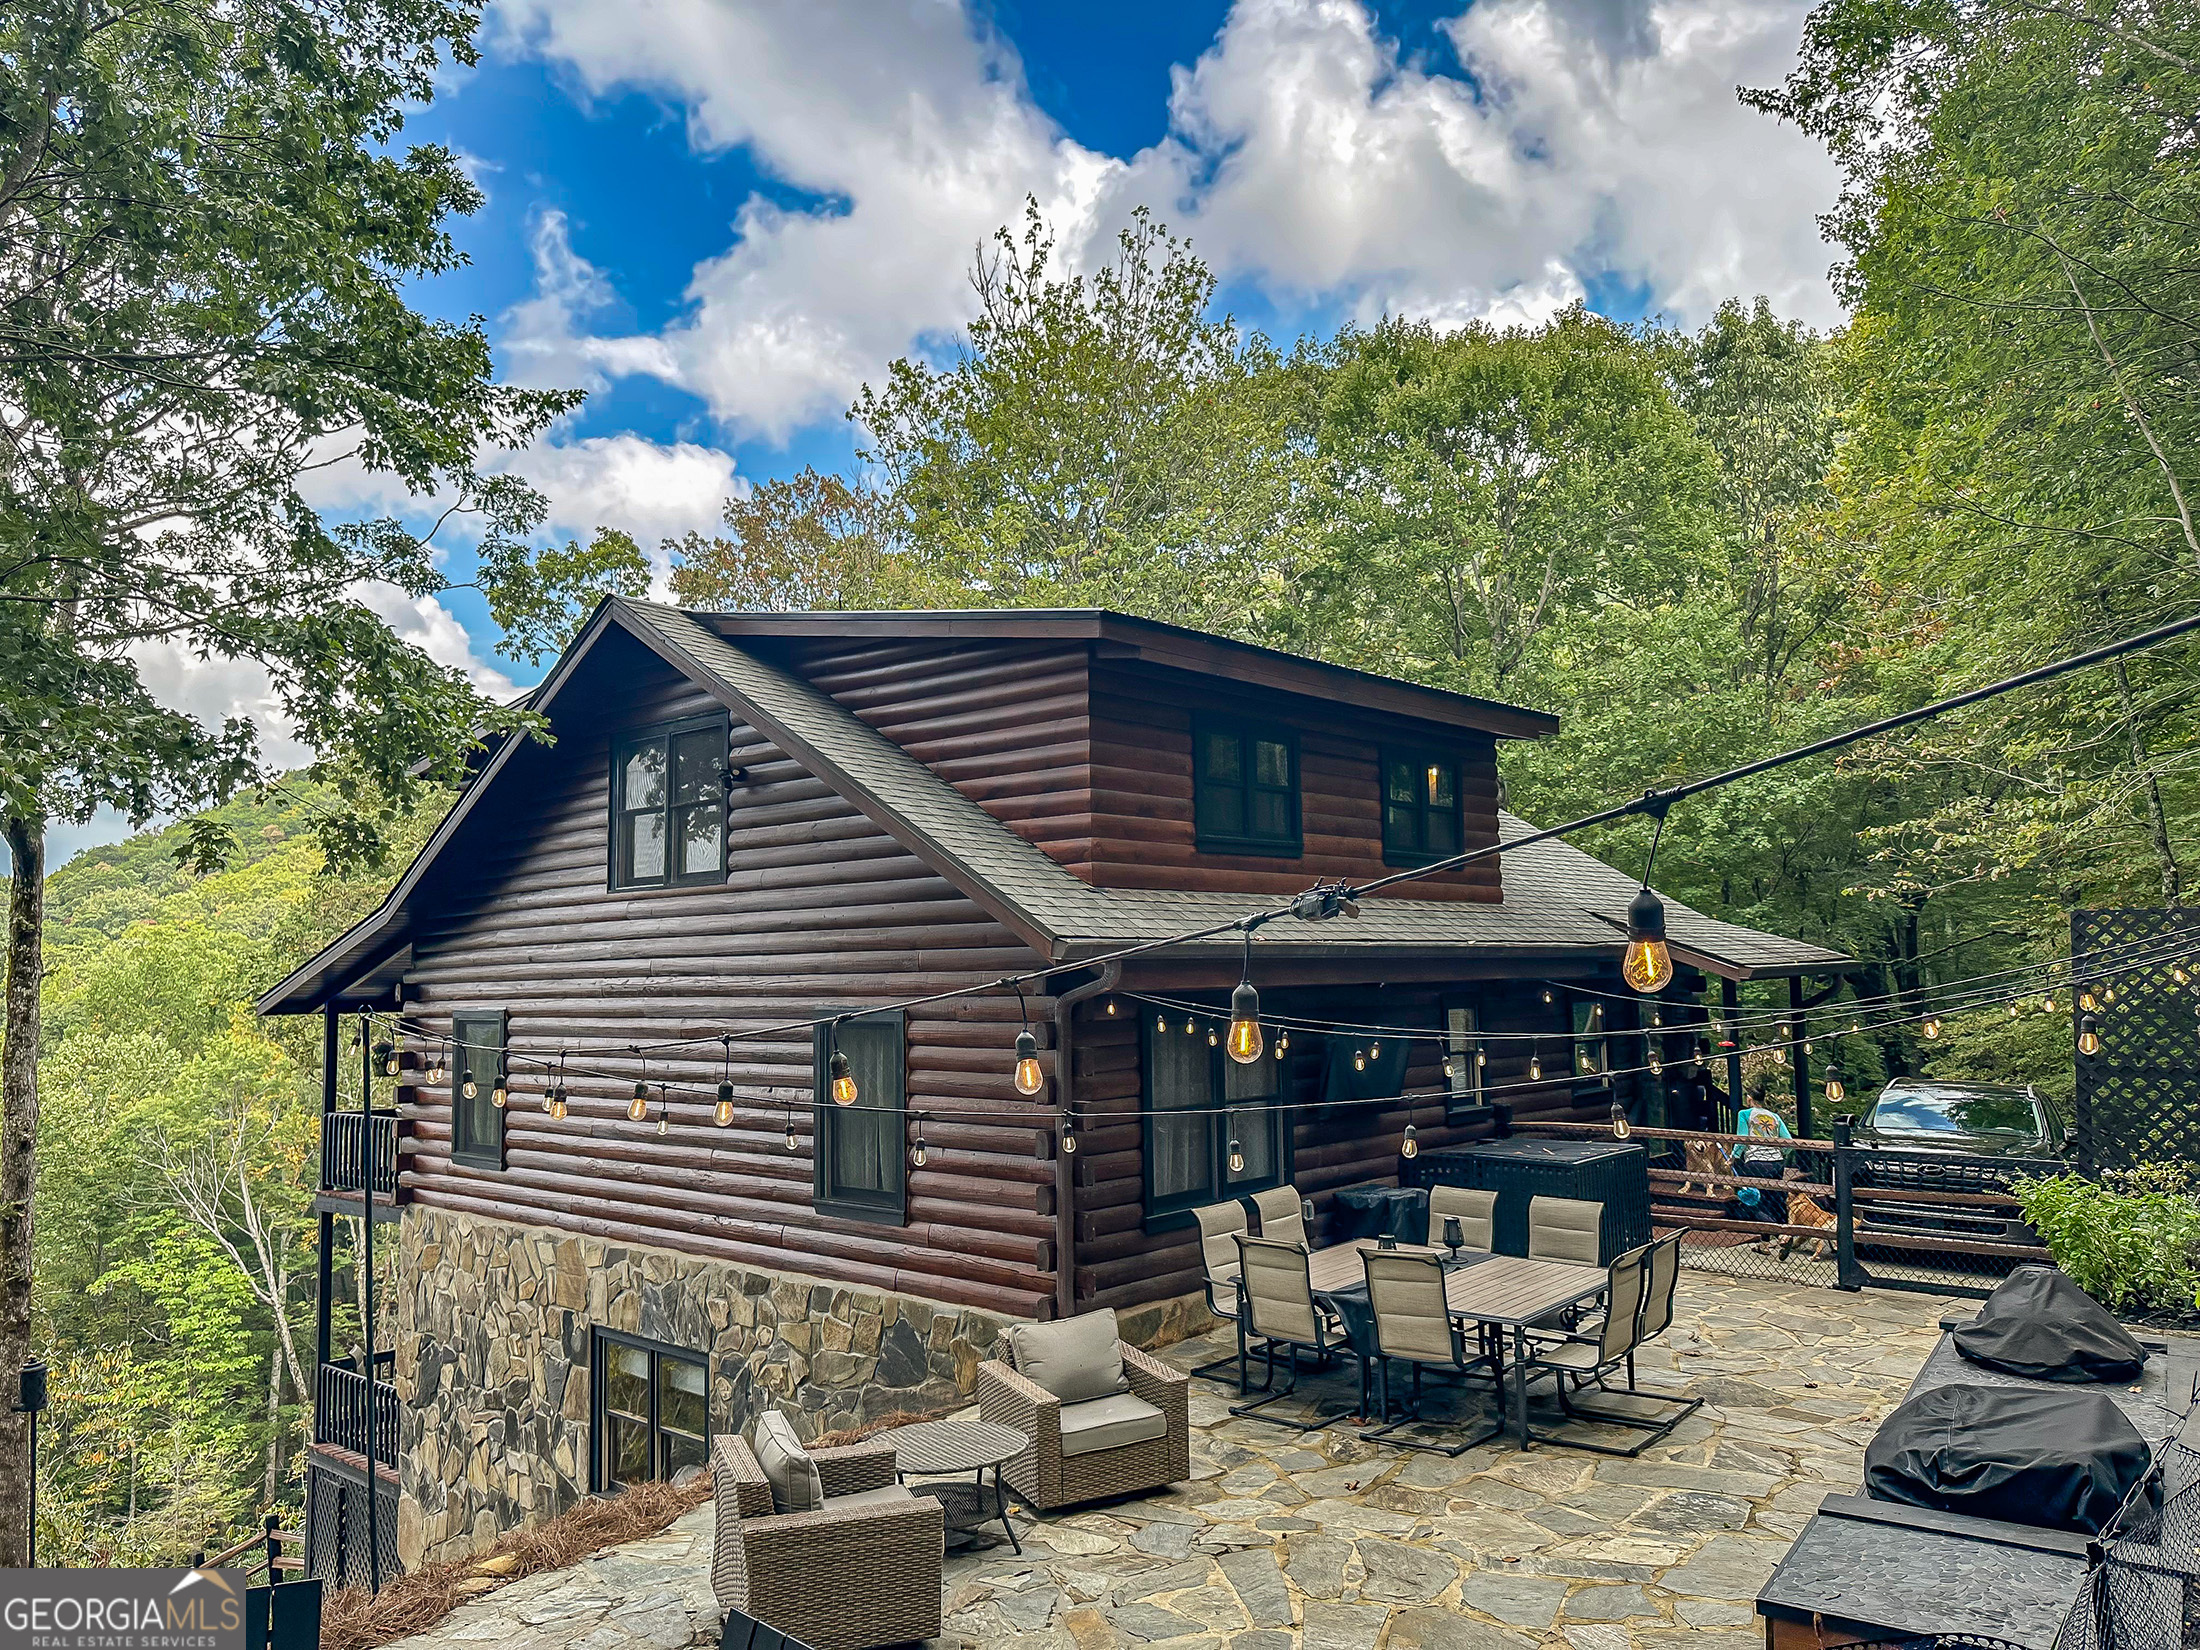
(754, 820)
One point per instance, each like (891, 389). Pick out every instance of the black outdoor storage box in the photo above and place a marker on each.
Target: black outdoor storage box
(1609, 1172)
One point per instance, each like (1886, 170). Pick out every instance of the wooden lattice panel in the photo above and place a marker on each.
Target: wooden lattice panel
(2138, 1100)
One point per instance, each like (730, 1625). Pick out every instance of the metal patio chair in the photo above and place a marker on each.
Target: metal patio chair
(1589, 1356)
(1414, 1325)
(1277, 1293)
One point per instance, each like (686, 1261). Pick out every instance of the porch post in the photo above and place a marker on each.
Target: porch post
(366, 1292)
(1802, 1060)
(321, 1330)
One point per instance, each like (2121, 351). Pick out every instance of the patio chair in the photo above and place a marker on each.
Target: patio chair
(1475, 1211)
(1589, 1356)
(1280, 1309)
(1282, 1215)
(1414, 1324)
(1219, 1226)
(1104, 1418)
(859, 1569)
(1565, 1228)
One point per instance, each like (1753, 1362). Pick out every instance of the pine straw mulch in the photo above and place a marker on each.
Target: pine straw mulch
(354, 1619)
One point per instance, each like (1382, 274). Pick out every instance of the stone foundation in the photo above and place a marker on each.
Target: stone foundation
(494, 1332)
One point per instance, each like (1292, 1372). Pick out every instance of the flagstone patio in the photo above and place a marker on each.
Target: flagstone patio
(1289, 1541)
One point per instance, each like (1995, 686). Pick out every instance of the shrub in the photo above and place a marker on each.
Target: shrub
(2131, 1241)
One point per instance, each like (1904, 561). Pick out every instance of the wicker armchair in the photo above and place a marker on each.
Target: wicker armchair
(1046, 1478)
(848, 1577)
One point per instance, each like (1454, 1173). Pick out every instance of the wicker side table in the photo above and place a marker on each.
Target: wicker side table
(943, 1448)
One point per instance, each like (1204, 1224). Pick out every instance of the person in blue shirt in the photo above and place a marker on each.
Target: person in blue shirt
(1757, 1126)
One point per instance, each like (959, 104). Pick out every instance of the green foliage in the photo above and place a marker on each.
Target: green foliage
(2134, 1247)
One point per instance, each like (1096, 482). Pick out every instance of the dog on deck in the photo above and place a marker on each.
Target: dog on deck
(1804, 1211)
(1701, 1160)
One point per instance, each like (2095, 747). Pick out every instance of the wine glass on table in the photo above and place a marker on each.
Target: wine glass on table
(1454, 1237)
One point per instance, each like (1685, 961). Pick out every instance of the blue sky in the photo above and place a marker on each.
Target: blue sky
(721, 217)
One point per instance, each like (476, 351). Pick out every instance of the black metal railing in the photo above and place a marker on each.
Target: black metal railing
(340, 1413)
(345, 1139)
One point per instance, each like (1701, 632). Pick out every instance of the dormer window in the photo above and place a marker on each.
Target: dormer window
(1421, 806)
(1245, 789)
(668, 805)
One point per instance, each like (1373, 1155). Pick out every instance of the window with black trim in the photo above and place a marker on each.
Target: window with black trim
(477, 1065)
(652, 1410)
(858, 1166)
(668, 804)
(1422, 818)
(1592, 1043)
(1245, 789)
(1198, 1101)
(1463, 1061)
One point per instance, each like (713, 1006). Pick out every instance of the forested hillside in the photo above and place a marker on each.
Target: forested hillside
(179, 1145)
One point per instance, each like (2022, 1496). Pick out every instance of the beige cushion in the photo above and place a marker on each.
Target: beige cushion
(796, 1485)
(1110, 1423)
(1568, 1355)
(1075, 1359)
(867, 1498)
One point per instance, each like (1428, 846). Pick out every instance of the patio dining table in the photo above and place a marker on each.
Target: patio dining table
(1503, 1292)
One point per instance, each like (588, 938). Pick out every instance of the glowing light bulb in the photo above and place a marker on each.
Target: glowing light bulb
(1447, 1070)
(469, 1089)
(2087, 1001)
(2089, 1036)
(794, 1141)
(1410, 1146)
(1111, 1008)
(917, 1153)
(1029, 1078)
(1161, 1022)
(1359, 1060)
(499, 1095)
(638, 1107)
(386, 1059)
(1621, 1128)
(1546, 994)
(722, 1113)
(1246, 1043)
(1535, 1068)
(1283, 1041)
(1837, 1088)
(844, 1080)
(1069, 1136)
(1647, 964)
(437, 1071)
(558, 1103)
(1374, 1051)
(1237, 1158)
(1932, 1029)
(1657, 1063)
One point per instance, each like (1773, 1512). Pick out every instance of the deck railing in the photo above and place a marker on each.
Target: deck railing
(340, 1413)
(345, 1136)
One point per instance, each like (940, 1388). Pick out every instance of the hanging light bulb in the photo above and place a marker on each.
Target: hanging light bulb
(1237, 1158)
(1481, 1059)
(1806, 1045)
(2108, 993)
(638, 1107)
(1245, 1039)
(2177, 973)
(1535, 1065)
(1837, 1088)
(2089, 1036)
(1647, 964)
(385, 1059)
(469, 1088)
(2047, 1003)
(1069, 1134)
(1283, 1041)
(2014, 1011)
(1447, 1068)
(1189, 1028)
(1375, 1051)
(843, 1080)
(1932, 1028)
(500, 1092)
(1111, 1008)
(1657, 1061)
(794, 1141)
(1410, 1146)
(1657, 1014)
(1029, 1078)
(559, 1102)
(1359, 1060)
(1212, 1038)
(1160, 1021)
(2088, 1002)
(917, 1153)
(438, 1068)
(1621, 1129)
(1546, 996)
(722, 1113)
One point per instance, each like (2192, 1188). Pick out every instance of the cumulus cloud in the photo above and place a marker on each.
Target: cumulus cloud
(1584, 139)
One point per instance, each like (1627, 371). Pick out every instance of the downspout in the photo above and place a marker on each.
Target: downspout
(1065, 1164)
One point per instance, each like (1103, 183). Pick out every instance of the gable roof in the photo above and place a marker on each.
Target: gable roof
(1557, 899)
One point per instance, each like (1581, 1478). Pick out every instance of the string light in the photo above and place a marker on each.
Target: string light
(1189, 1028)
(1237, 1157)
(500, 1091)
(1375, 1051)
(1359, 1060)
(917, 1153)
(385, 1059)
(794, 1141)
(2177, 973)
(1656, 1059)
(1648, 962)
(723, 1114)
(1161, 1022)
(558, 1103)
(2089, 1036)
(1111, 1008)
(469, 1088)
(1837, 1088)
(1535, 1065)
(638, 1107)
(1283, 1044)
(843, 1080)
(439, 1070)
(553, 1097)
(664, 1108)
(1410, 1146)
(1029, 1078)
(1932, 1029)
(1546, 996)
(1212, 1039)
(1069, 1134)
(1621, 1128)
(2087, 1002)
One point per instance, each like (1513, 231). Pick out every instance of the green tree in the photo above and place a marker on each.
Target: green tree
(208, 222)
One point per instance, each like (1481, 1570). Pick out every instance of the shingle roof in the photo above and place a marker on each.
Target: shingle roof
(1557, 899)
(1556, 896)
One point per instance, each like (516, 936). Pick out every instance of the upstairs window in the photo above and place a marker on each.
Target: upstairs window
(1245, 790)
(668, 805)
(477, 1063)
(1421, 807)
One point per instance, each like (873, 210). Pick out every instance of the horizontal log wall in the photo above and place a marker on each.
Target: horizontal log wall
(821, 911)
(1121, 1264)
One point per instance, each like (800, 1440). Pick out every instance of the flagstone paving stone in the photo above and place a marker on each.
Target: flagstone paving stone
(1325, 1541)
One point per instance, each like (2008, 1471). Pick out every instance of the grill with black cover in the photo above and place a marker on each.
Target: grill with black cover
(2040, 1324)
(2060, 1460)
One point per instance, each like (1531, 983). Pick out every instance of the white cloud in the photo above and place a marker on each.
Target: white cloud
(1585, 138)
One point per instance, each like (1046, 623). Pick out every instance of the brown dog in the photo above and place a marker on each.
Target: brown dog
(1701, 1160)
(1802, 1211)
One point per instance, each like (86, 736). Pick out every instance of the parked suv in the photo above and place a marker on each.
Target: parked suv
(1915, 1120)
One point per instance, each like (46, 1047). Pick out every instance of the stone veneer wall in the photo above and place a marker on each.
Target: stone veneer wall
(494, 1326)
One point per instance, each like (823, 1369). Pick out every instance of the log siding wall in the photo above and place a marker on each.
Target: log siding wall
(821, 909)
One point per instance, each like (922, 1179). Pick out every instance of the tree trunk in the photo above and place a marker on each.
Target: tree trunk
(26, 840)
(2165, 859)
(274, 1483)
